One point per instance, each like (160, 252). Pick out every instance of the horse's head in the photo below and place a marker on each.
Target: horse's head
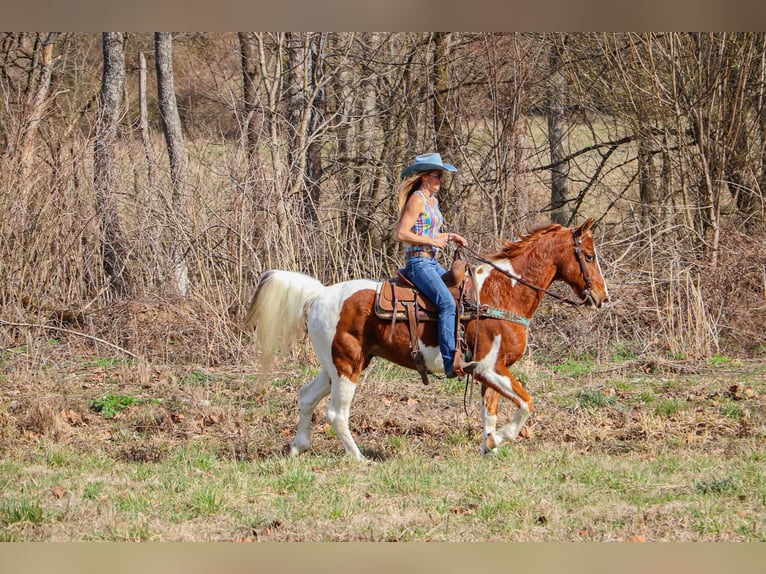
(582, 270)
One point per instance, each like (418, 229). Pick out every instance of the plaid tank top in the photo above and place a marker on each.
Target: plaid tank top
(428, 223)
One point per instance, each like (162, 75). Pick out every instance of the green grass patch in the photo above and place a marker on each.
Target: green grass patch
(111, 405)
(92, 490)
(623, 352)
(727, 485)
(731, 409)
(200, 378)
(575, 367)
(591, 398)
(207, 501)
(670, 407)
(720, 361)
(13, 511)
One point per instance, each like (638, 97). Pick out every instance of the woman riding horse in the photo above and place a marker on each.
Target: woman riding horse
(420, 227)
(346, 333)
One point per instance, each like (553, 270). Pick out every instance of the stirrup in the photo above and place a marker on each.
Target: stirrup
(420, 365)
(466, 369)
(461, 370)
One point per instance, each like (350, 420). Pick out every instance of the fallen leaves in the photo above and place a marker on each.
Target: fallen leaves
(74, 418)
(739, 392)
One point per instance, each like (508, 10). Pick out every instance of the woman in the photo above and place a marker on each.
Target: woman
(419, 227)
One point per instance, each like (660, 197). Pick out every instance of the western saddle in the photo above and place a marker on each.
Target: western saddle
(398, 299)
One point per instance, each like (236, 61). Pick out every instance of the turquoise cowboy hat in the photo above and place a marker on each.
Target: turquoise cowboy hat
(426, 162)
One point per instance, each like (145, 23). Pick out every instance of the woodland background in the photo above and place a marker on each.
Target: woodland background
(147, 180)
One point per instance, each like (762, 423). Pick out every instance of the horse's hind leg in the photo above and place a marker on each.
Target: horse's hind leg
(308, 398)
(338, 411)
(489, 419)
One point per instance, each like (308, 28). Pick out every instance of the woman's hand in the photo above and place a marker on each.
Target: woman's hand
(458, 239)
(443, 239)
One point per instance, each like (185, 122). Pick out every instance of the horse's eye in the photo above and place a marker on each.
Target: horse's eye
(590, 258)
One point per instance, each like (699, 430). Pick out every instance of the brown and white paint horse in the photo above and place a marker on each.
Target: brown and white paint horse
(346, 333)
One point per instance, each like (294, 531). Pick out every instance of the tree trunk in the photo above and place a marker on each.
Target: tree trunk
(270, 71)
(247, 51)
(445, 119)
(560, 212)
(37, 104)
(113, 250)
(647, 183)
(305, 98)
(153, 198)
(317, 106)
(171, 126)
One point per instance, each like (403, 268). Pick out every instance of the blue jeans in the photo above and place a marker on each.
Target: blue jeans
(426, 274)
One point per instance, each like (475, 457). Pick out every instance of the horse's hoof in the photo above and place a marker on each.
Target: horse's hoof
(292, 450)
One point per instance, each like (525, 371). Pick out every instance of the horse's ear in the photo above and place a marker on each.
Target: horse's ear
(585, 226)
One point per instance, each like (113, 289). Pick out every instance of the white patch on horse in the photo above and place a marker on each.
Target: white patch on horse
(338, 410)
(433, 357)
(606, 289)
(483, 271)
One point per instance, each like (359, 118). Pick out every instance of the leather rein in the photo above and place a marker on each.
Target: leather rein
(578, 256)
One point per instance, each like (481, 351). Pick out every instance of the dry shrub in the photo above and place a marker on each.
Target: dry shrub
(43, 416)
(7, 424)
(735, 291)
(171, 329)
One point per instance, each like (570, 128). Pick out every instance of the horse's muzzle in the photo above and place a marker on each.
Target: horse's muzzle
(595, 301)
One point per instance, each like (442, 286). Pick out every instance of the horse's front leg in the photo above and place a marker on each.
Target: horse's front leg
(501, 378)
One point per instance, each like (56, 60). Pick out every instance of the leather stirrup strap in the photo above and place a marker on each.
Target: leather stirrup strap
(393, 315)
(415, 352)
(459, 343)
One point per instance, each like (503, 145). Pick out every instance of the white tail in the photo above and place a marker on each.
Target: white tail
(279, 310)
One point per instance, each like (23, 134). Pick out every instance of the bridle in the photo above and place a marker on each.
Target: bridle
(583, 269)
(587, 296)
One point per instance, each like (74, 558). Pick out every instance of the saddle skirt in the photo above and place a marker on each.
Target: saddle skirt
(397, 295)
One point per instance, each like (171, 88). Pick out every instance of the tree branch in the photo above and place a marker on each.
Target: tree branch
(611, 144)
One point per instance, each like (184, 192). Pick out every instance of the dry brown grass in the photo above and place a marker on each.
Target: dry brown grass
(615, 451)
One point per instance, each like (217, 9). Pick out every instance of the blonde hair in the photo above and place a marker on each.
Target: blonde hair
(405, 189)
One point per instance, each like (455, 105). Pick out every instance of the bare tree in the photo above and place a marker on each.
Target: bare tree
(305, 95)
(557, 140)
(446, 124)
(269, 73)
(37, 102)
(171, 125)
(113, 244)
(248, 52)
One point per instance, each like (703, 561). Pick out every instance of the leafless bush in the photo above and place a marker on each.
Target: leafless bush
(248, 212)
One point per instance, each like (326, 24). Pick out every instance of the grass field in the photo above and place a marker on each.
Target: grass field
(93, 448)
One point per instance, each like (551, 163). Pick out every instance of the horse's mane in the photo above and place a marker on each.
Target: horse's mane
(512, 249)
